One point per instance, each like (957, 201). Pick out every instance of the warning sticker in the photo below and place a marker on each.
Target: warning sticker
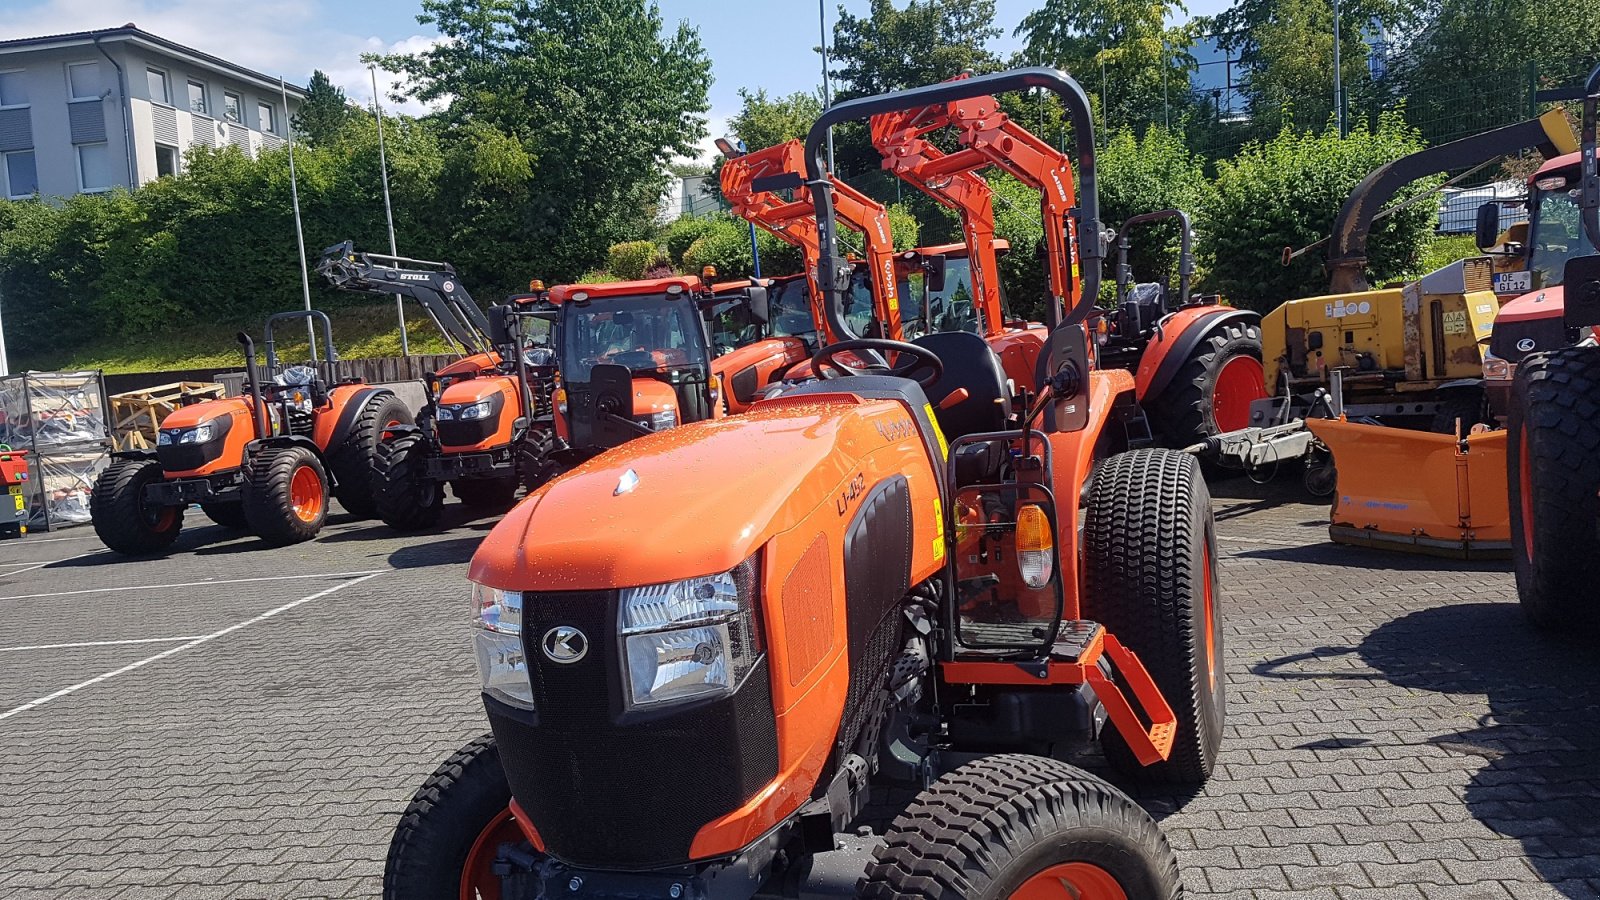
(938, 531)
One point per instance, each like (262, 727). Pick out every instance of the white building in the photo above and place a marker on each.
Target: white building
(89, 111)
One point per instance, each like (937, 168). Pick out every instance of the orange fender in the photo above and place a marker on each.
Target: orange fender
(1175, 339)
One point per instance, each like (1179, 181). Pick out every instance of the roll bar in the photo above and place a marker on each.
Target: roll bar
(833, 271)
(1589, 190)
(309, 314)
(1185, 251)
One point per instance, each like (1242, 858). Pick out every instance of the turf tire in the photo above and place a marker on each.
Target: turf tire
(407, 500)
(228, 515)
(1149, 561)
(1553, 470)
(1183, 415)
(438, 828)
(120, 515)
(984, 829)
(269, 500)
(355, 462)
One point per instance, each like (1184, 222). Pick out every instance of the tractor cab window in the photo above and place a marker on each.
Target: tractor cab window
(732, 326)
(953, 309)
(1555, 235)
(911, 287)
(858, 309)
(538, 341)
(655, 333)
(789, 302)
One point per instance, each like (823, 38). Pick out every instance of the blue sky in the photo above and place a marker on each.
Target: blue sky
(758, 43)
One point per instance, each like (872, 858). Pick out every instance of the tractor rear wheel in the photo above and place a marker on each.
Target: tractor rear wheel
(228, 515)
(1213, 391)
(407, 499)
(285, 495)
(1025, 827)
(122, 518)
(451, 832)
(1151, 578)
(355, 461)
(485, 493)
(1554, 476)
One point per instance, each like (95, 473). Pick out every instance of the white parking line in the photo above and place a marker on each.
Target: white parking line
(81, 537)
(185, 584)
(45, 563)
(48, 562)
(106, 676)
(187, 637)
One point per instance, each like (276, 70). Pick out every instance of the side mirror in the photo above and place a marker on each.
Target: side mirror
(501, 329)
(1581, 279)
(756, 298)
(1486, 232)
(933, 271)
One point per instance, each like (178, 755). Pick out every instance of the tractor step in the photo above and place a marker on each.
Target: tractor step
(1074, 639)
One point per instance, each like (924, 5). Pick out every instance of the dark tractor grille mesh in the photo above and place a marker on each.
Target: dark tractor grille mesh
(625, 791)
(187, 457)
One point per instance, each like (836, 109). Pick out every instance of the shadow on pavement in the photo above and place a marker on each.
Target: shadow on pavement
(1540, 742)
(1329, 553)
(446, 552)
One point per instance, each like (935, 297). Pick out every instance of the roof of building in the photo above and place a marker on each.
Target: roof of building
(132, 32)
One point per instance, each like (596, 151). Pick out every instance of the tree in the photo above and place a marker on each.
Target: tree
(324, 112)
(928, 41)
(764, 122)
(599, 96)
(1121, 50)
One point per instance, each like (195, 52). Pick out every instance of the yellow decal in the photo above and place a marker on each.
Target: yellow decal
(944, 447)
(938, 531)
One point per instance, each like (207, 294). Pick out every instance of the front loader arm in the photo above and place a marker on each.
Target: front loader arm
(438, 291)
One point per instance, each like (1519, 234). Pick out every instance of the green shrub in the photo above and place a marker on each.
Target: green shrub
(685, 230)
(1141, 175)
(1286, 192)
(629, 259)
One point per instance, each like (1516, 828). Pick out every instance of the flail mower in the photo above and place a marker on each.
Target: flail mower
(840, 645)
(267, 462)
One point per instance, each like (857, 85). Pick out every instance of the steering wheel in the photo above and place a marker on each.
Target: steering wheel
(925, 367)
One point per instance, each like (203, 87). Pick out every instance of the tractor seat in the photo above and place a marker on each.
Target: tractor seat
(1145, 305)
(969, 363)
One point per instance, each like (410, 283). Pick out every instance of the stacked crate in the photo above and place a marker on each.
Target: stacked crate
(60, 420)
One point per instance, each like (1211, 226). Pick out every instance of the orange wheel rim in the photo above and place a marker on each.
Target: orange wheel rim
(1210, 623)
(1071, 881)
(478, 881)
(1241, 382)
(305, 494)
(164, 517)
(1525, 480)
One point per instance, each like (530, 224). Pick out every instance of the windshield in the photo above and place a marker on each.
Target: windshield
(647, 334)
(788, 304)
(1555, 236)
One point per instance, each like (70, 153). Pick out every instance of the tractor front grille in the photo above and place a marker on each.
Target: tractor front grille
(616, 790)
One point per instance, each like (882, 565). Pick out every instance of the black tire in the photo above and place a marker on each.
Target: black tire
(1463, 404)
(355, 461)
(122, 518)
(269, 505)
(444, 819)
(1554, 475)
(486, 493)
(228, 515)
(980, 832)
(407, 500)
(1183, 414)
(1150, 565)
(535, 465)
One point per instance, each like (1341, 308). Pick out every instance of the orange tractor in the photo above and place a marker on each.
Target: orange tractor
(717, 661)
(267, 462)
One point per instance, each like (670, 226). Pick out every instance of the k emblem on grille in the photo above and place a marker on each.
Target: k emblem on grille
(565, 644)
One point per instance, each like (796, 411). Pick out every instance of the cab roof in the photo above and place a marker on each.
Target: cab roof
(562, 293)
(1551, 166)
(1001, 245)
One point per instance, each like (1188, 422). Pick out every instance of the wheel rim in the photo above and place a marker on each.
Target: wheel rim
(1525, 483)
(1071, 881)
(305, 494)
(1210, 621)
(478, 881)
(1241, 382)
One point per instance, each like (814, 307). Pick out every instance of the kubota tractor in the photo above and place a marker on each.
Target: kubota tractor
(840, 645)
(267, 462)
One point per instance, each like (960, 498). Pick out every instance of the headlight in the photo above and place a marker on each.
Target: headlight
(660, 421)
(199, 434)
(497, 643)
(1497, 369)
(163, 439)
(445, 414)
(690, 639)
(479, 410)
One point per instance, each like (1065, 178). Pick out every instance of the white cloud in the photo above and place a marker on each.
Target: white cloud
(275, 37)
(716, 127)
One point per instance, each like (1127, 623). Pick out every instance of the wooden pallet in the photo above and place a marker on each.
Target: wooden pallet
(136, 415)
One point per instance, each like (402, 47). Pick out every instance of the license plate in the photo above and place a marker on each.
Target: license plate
(1513, 282)
(16, 489)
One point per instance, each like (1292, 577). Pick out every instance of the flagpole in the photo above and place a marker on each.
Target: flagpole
(388, 211)
(299, 229)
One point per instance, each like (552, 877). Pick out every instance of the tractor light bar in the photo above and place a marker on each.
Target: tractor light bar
(497, 644)
(691, 639)
(199, 434)
(1035, 546)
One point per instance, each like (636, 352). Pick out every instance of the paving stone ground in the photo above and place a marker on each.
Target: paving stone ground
(1394, 729)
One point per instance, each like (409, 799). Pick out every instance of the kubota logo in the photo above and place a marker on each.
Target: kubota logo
(565, 644)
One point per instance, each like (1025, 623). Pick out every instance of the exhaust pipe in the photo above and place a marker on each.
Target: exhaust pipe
(258, 408)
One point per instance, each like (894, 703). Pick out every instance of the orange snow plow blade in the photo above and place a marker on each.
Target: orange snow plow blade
(1418, 492)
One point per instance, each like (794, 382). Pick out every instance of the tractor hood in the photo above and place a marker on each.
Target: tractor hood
(1529, 324)
(690, 501)
(204, 411)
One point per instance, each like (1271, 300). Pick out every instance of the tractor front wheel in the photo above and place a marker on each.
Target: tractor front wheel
(406, 498)
(286, 495)
(1023, 827)
(1213, 391)
(355, 461)
(228, 515)
(449, 835)
(123, 519)
(535, 462)
(1150, 557)
(486, 493)
(1554, 474)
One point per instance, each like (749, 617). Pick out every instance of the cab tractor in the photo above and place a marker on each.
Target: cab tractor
(267, 462)
(717, 661)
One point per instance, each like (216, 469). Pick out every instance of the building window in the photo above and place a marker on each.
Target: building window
(158, 86)
(83, 81)
(94, 168)
(166, 160)
(13, 90)
(269, 119)
(232, 108)
(197, 99)
(19, 176)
